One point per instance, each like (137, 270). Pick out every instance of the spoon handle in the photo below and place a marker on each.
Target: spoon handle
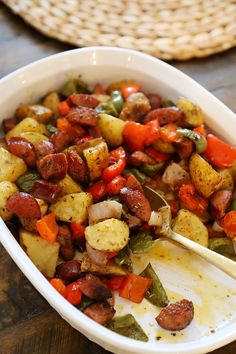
(225, 264)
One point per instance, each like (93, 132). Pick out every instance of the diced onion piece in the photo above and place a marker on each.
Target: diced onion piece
(104, 210)
(166, 219)
(96, 256)
(216, 227)
(155, 218)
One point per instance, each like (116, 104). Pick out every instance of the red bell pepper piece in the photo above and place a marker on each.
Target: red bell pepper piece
(99, 90)
(129, 88)
(47, 227)
(134, 287)
(64, 108)
(156, 155)
(77, 231)
(135, 136)
(219, 153)
(190, 198)
(117, 164)
(73, 293)
(153, 133)
(168, 133)
(200, 129)
(98, 190)
(115, 185)
(229, 224)
(59, 285)
(114, 283)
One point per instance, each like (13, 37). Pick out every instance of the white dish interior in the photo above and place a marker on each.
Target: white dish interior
(182, 273)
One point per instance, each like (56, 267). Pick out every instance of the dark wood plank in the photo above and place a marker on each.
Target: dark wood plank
(27, 323)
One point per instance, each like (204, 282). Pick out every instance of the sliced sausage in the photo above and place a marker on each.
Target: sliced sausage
(136, 106)
(138, 158)
(219, 203)
(81, 99)
(133, 183)
(83, 115)
(22, 148)
(24, 205)
(44, 148)
(53, 166)
(176, 316)
(66, 246)
(154, 100)
(99, 90)
(100, 312)
(184, 148)
(49, 192)
(8, 124)
(60, 140)
(77, 168)
(165, 115)
(137, 203)
(94, 288)
(68, 270)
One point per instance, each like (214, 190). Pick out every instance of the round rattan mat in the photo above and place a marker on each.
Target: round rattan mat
(168, 29)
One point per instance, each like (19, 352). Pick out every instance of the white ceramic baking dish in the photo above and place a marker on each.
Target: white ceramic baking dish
(182, 273)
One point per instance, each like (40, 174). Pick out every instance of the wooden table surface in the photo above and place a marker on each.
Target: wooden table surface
(27, 323)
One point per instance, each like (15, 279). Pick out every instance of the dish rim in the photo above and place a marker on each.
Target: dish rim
(109, 340)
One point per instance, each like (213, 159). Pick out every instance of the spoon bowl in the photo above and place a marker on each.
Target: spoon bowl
(225, 264)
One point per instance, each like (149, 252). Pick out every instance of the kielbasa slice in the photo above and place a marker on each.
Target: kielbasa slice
(83, 115)
(49, 192)
(219, 203)
(154, 100)
(24, 205)
(100, 312)
(53, 166)
(66, 246)
(82, 99)
(8, 124)
(77, 168)
(22, 148)
(94, 288)
(138, 158)
(176, 316)
(165, 115)
(137, 203)
(69, 270)
(60, 140)
(44, 148)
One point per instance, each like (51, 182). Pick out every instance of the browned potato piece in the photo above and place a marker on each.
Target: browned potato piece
(97, 159)
(163, 146)
(38, 112)
(42, 253)
(109, 269)
(193, 113)
(205, 178)
(227, 180)
(51, 101)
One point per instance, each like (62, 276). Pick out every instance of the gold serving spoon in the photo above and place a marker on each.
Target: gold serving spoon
(225, 264)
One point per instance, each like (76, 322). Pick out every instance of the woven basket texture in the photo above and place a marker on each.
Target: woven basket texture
(168, 29)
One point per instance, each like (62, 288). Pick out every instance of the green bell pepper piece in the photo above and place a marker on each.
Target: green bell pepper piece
(140, 243)
(156, 294)
(127, 326)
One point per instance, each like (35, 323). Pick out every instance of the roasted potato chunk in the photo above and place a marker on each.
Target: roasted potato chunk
(6, 190)
(111, 129)
(42, 253)
(27, 125)
(40, 113)
(11, 166)
(68, 185)
(97, 159)
(108, 235)
(227, 180)
(34, 138)
(52, 101)
(72, 207)
(190, 226)
(193, 113)
(205, 178)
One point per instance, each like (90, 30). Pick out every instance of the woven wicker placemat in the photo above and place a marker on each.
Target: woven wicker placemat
(168, 29)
